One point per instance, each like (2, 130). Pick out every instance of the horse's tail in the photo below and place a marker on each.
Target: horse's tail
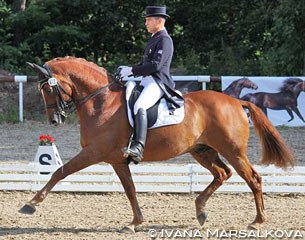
(275, 150)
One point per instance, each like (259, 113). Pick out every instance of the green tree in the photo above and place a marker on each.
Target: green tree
(286, 53)
(226, 37)
(216, 37)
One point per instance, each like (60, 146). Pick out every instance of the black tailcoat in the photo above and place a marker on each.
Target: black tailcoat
(157, 58)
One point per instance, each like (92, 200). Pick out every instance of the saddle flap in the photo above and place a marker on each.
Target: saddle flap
(134, 93)
(161, 114)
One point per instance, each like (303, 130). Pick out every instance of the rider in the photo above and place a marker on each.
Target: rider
(155, 72)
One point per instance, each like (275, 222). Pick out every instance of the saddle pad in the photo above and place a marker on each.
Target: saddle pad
(165, 117)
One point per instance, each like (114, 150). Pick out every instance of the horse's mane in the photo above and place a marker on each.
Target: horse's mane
(82, 61)
(92, 68)
(237, 81)
(240, 79)
(289, 82)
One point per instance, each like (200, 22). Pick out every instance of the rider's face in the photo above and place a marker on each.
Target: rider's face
(153, 24)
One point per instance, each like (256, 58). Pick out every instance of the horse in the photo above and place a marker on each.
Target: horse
(213, 123)
(235, 88)
(285, 99)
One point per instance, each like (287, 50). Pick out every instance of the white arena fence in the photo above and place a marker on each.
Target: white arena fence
(171, 178)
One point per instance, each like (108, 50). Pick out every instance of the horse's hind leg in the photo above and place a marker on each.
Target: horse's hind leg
(264, 110)
(244, 168)
(123, 172)
(209, 159)
(289, 111)
(296, 110)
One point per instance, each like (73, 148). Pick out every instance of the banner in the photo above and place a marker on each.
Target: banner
(187, 86)
(282, 99)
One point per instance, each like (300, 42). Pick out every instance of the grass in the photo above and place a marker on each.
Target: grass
(9, 115)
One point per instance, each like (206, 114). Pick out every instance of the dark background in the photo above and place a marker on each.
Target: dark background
(211, 37)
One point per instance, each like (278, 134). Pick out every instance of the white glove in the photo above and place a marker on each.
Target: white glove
(124, 71)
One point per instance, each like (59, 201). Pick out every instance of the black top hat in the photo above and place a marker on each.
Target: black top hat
(153, 11)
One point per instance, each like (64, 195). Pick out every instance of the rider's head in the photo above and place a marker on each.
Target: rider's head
(155, 18)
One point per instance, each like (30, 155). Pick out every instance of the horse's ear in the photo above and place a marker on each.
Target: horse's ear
(38, 69)
(31, 65)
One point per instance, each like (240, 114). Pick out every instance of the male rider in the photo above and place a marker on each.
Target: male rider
(155, 72)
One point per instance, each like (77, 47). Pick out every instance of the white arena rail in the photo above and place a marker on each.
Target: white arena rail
(148, 178)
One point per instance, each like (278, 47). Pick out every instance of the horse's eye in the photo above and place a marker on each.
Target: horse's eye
(48, 89)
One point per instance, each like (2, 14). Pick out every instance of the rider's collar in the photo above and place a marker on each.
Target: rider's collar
(158, 31)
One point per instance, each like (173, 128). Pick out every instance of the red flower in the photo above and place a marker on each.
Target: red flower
(46, 140)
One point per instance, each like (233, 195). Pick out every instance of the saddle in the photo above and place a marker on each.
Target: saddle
(161, 114)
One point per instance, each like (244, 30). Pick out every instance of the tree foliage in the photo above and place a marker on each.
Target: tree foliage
(216, 37)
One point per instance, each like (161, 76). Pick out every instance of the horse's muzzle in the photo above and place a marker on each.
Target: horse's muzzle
(58, 118)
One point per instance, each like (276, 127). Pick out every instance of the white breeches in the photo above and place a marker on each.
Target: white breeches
(150, 94)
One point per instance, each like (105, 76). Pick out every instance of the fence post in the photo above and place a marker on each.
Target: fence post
(20, 79)
(203, 79)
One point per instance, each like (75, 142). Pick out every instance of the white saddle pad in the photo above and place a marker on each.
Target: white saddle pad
(165, 117)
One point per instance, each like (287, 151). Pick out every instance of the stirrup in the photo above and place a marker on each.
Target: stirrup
(128, 154)
(126, 151)
(136, 155)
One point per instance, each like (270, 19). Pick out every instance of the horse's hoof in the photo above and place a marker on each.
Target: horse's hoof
(254, 226)
(27, 209)
(202, 217)
(127, 229)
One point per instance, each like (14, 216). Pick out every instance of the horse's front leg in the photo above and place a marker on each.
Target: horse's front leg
(84, 159)
(123, 171)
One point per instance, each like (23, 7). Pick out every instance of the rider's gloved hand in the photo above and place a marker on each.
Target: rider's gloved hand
(124, 71)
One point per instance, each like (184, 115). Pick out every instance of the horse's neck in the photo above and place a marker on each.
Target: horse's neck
(97, 114)
(237, 88)
(296, 92)
(101, 105)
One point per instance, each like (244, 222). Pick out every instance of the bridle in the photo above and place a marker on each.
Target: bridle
(62, 106)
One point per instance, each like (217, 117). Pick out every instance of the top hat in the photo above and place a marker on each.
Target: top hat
(153, 11)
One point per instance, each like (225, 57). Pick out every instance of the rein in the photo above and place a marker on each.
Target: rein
(63, 105)
(92, 95)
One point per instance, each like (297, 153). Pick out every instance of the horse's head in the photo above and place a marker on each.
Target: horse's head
(63, 81)
(246, 83)
(293, 85)
(300, 86)
(56, 92)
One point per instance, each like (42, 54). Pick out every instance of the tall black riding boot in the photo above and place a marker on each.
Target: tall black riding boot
(137, 146)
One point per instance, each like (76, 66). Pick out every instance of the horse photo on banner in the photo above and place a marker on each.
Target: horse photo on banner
(282, 99)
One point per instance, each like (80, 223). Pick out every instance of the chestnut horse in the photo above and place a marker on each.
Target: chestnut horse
(235, 88)
(214, 123)
(285, 99)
